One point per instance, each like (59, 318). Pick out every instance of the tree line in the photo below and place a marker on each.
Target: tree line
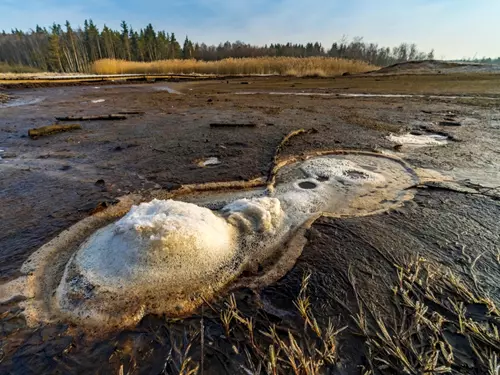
(68, 49)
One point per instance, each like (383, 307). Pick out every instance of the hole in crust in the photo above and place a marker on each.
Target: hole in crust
(307, 185)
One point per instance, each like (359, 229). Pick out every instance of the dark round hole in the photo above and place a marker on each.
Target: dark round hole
(307, 185)
(356, 175)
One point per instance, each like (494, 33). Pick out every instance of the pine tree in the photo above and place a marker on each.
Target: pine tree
(187, 49)
(175, 48)
(134, 44)
(107, 39)
(125, 42)
(55, 62)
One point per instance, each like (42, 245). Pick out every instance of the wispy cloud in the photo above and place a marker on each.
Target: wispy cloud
(455, 28)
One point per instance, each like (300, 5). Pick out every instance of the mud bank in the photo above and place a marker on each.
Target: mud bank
(49, 184)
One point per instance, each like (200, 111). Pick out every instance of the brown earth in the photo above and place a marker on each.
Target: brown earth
(49, 183)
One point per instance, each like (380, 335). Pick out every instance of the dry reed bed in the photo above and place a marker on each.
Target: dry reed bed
(288, 66)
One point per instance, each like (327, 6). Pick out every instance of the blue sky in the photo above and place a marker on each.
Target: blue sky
(454, 28)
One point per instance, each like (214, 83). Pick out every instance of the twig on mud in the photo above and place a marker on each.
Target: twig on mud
(274, 165)
(51, 129)
(92, 118)
(473, 265)
(131, 112)
(209, 305)
(158, 150)
(233, 125)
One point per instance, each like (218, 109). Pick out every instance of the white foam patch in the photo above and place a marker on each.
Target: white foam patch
(166, 256)
(340, 169)
(362, 95)
(418, 140)
(160, 249)
(157, 242)
(344, 186)
(258, 215)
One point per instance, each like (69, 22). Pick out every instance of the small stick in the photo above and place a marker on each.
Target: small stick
(51, 129)
(91, 118)
(232, 125)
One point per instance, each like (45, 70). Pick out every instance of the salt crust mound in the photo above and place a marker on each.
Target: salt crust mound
(160, 254)
(159, 241)
(166, 256)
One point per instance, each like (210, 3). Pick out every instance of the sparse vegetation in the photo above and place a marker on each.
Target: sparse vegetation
(436, 328)
(292, 66)
(302, 349)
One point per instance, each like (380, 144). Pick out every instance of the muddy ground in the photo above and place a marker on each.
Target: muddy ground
(51, 182)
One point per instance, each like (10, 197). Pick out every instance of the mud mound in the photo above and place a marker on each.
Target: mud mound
(435, 66)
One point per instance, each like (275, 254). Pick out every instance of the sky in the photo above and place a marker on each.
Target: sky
(453, 28)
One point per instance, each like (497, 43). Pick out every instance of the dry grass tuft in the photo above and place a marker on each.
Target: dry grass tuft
(276, 350)
(285, 66)
(435, 330)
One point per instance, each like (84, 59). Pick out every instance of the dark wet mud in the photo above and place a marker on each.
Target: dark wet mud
(348, 259)
(48, 184)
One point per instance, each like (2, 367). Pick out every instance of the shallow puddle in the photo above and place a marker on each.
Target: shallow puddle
(18, 102)
(167, 89)
(362, 95)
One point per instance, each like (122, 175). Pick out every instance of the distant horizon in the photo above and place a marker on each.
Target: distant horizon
(326, 46)
(455, 29)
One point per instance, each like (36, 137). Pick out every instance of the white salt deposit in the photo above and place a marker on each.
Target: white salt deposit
(98, 101)
(166, 256)
(362, 95)
(160, 241)
(257, 215)
(339, 169)
(418, 140)
(160, 249)
(209, 162)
